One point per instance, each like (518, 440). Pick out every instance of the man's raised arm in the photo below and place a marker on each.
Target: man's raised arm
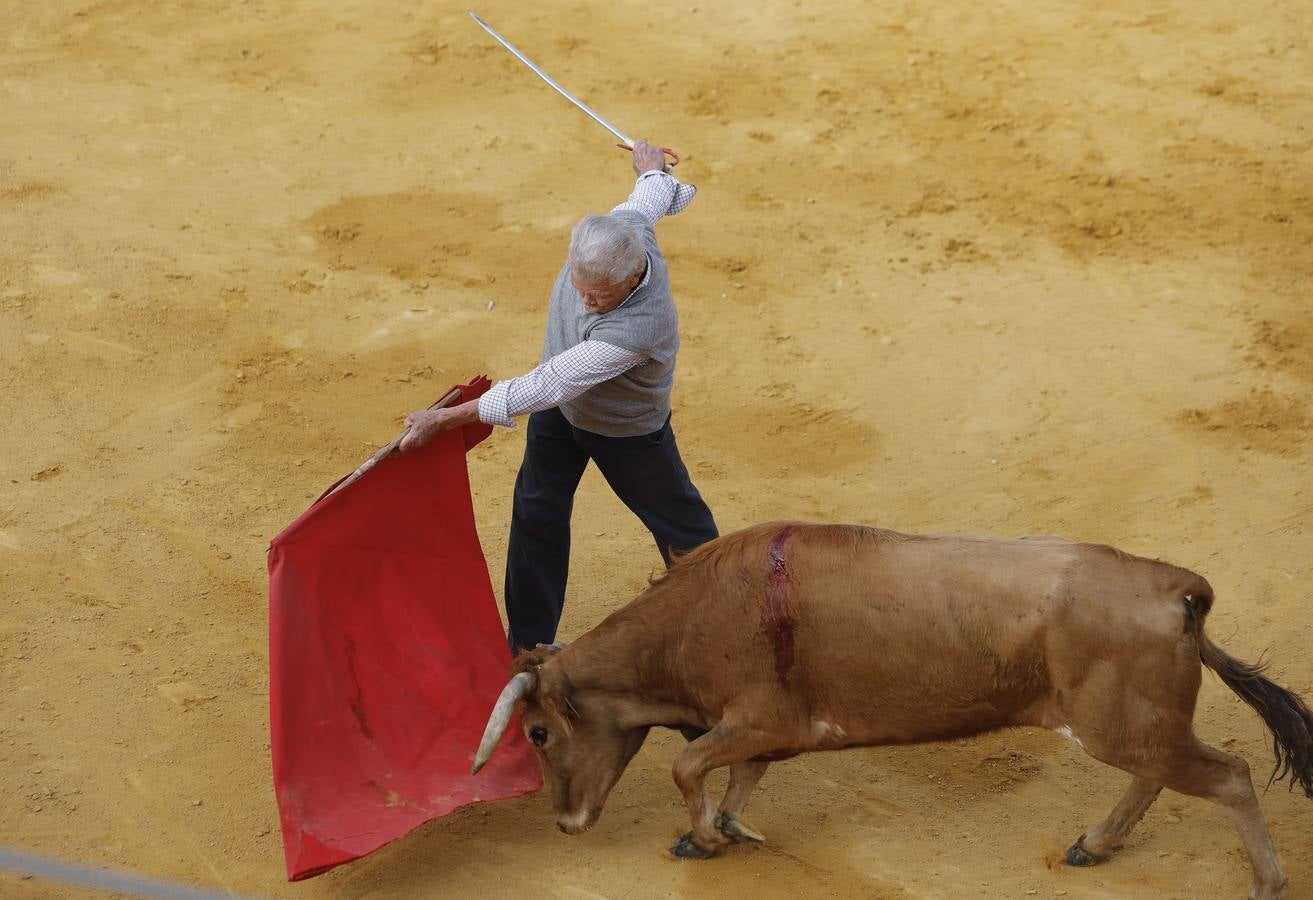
(656, 193)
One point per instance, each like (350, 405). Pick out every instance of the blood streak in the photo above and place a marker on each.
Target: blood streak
(777, 619)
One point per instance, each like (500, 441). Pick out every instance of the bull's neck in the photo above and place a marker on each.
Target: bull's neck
(628, 654)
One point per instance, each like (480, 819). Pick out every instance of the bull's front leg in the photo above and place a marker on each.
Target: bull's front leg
(724, 745)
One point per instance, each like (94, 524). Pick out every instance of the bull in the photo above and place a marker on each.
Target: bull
(790, 638)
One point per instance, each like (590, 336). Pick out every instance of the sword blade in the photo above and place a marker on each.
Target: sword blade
(551, 81)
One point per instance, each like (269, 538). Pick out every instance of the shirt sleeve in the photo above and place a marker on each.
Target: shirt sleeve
(656, 194)
(563, 377)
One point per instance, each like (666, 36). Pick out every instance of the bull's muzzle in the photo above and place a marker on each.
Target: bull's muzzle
(578, 822)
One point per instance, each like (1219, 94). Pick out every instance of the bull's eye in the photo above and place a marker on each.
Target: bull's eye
(538, 735)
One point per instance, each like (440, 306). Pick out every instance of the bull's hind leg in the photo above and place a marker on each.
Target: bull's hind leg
(1204, 771)
(1190, 767)
(1106, 838)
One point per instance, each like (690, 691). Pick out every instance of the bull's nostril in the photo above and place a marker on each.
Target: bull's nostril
(574, 823)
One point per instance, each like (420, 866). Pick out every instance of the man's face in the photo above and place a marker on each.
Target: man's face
(602, 297)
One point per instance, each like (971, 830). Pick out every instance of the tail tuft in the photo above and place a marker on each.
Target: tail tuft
(1286, 716)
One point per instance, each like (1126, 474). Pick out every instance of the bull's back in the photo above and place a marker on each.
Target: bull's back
(882, 637)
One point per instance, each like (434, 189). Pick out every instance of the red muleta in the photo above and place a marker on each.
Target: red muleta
(385, 654)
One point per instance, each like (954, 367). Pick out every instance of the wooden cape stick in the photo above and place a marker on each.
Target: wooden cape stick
(384, 452)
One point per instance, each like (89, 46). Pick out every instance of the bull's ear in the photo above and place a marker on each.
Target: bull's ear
(529, 659)
(554, 690)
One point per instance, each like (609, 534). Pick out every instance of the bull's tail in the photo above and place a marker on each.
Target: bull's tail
(1287, 717)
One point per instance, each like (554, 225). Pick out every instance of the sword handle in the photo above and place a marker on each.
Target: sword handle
(674, 156)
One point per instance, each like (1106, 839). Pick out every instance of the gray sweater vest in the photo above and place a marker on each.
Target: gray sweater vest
(638, 401)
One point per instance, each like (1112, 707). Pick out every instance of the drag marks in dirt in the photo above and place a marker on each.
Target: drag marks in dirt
(171, 405)
(1261, 419)
(190, 541)
(167, 821)
(99, 347)
(134, 476)
(1267, 417)
(28, 190)
(1284, 344)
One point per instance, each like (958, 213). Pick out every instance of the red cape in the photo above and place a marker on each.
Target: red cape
(386, 655)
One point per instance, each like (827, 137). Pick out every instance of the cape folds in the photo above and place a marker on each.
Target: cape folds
(386, 654)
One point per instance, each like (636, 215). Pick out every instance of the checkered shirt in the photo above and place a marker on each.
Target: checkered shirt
(567, 375)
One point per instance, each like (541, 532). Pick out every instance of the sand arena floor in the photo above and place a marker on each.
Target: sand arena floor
(994, 268)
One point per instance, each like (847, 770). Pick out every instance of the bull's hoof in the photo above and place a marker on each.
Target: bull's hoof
(1077, 855)
(684, 848)
(737, 830)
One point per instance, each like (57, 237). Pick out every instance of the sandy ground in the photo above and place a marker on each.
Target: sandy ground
(995, 268)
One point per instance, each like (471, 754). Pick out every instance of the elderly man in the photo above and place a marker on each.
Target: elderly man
(602, 392)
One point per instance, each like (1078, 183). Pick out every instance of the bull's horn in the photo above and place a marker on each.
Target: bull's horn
(516, 688)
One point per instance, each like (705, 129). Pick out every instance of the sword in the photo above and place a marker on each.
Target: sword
(625, 142)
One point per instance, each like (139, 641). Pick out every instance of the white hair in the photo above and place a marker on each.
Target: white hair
(606, 249)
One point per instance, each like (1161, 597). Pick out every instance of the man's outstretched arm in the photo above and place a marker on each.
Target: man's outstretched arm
(656, 193)
(564, 377)
(561, 378)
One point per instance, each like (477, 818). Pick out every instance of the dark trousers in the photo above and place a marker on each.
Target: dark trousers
(645, 472)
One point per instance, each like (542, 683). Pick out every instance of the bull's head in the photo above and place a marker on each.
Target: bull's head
(582, 742)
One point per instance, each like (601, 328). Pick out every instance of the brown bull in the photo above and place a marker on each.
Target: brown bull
(788, 638)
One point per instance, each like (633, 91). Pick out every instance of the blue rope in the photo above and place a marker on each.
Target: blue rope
(100, 879)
